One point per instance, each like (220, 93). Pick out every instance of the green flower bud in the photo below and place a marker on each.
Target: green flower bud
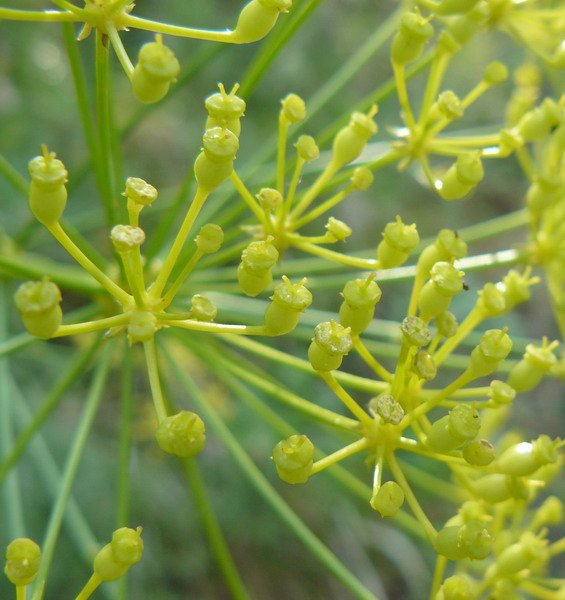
(386, 407)
(127, 545)
(495, 73)
(362, 179)
(448, 105)
(446, 247)
(475, 540)
(462, 176)
(331, 342)
(479, 452)
(269, 198)
(447, 543)
(294, 458)
(337, 231)
(538, 122)
(496, 487)
(202, 309)
(125, 238)
(537, 361)
(543, 193)
(257, 18)
(464, 27)
(435, 297)
(293, 108)
(446, 324)
(306, 148)
(525, 458)
(464, 422)
(156, 69)
(409, 42)
(38, 303)
(416, 332)
(47, 192)
(492, 301)
(289, 301)
(456, 587)
(210, 238)
(215, 163)
(424, 365)
(452, 431)
(358, 307)
(22, 561)
(398, 241)
(142, 327)
(140, 192)
(350, 141)
(388, 499)
(494, 347)
(182, 434)
(519, 556)
(225, 110)
(106, 567)
(516, 287)
(501, 393)
(254, 271)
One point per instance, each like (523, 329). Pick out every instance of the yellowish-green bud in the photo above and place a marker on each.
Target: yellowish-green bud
(39, 306)
(156, 69)
(210, 238)
(182, 434)
(202, 309)
(140, 192)
(388, 499)
(337, 231)
(125, 238)
(294, 458)
(306, 148)
(22, 561)
(293, 108)
(269, 198)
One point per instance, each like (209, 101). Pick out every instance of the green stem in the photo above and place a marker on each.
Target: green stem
(90, 326)
(154, 379)
(104, 121)
(177, 30)
(12, 500)
(370, 360)
(341, 454)
(157, 288)
(32, 15)
(125, 439)
(351, 404)
(411, 498)
(14, 177)
(439, 570)
(344, 259)
(71, 467)
(120, 51)
(115, 290)
(213, 531)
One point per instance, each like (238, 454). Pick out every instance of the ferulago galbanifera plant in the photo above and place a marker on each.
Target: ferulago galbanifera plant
(333, 304)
